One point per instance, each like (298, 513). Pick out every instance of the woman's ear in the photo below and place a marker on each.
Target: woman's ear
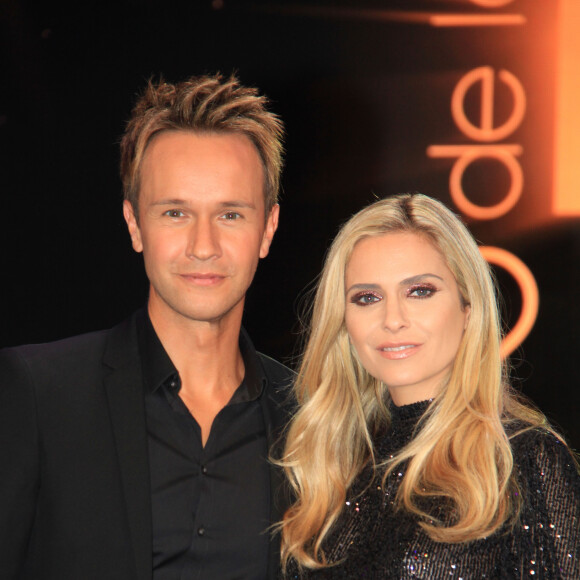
(467, 310)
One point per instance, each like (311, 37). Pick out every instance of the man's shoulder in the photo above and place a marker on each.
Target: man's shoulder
(70, 344)
(279, 387)
(276, 371)
(74, 349)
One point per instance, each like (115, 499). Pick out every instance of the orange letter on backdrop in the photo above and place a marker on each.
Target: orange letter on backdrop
(528, 289)
(486, 131)
(466, 155)
(502, 155)
(491, 3)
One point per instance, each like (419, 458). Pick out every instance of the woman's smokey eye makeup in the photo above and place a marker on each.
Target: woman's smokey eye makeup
(365, 297)
(422, 291)
(418, 291)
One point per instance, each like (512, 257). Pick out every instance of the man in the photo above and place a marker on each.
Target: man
(141, 452)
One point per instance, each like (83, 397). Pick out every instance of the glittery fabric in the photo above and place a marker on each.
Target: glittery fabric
(371, 541)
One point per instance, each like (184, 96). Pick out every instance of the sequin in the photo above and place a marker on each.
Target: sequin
(371, 541)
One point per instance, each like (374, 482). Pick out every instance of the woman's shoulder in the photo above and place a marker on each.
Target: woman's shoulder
(532, 440)
(549, 484)
(522, 435)
(539, 453)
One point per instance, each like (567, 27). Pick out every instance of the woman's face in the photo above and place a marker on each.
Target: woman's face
(404, 314)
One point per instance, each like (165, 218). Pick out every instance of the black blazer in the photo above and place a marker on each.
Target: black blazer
(74, 476)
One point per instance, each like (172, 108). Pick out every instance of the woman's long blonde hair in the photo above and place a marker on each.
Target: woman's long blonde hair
(461, 453)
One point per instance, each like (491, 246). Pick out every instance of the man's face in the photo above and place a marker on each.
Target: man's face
(201, 224)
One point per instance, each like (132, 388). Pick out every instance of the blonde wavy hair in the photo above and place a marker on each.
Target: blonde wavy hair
(461, 453)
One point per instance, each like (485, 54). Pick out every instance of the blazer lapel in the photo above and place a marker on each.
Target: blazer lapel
(124, 387)
(275, 417)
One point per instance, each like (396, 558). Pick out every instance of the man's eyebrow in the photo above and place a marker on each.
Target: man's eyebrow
(238, 203)
(222, 204)
(169, 202)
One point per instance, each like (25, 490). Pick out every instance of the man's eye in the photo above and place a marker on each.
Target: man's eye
(231, 215)
(174, 213)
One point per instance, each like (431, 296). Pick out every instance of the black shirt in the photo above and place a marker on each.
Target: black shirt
(210, 505)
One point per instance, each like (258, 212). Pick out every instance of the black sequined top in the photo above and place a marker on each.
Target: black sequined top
(371, 541)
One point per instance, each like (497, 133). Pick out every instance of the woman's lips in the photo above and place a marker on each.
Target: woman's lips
(398, 351)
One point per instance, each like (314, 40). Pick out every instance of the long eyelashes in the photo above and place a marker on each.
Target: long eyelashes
(421, 291)
(417, 291)
(365, 298)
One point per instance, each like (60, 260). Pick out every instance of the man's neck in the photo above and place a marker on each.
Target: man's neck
(204, 352)
(208, 358)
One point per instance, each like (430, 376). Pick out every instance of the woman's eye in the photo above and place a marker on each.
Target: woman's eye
(365, 298)
(422, 291)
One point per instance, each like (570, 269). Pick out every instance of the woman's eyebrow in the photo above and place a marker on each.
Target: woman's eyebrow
(419, 278)
(363, 287)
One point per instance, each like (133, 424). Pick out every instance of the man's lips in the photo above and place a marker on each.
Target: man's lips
(397, 351)
(203, 279)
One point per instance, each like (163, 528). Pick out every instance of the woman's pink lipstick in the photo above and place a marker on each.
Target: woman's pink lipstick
(398, 351)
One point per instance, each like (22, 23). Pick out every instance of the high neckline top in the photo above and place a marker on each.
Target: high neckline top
(372, 540)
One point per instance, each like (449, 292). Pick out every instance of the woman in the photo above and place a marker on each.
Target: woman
(410, 456)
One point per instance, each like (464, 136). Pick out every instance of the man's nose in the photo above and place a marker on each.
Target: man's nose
(203, 242)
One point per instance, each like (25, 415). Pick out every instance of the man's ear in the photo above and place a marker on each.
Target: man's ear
(271, 227)
(132, 225)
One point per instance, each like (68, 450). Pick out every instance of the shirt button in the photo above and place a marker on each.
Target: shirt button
(204, 469)
(201, 531)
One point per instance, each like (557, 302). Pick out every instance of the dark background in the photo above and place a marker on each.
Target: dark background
(362, 97)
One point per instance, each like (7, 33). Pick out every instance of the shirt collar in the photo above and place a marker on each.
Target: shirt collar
(158, 369)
